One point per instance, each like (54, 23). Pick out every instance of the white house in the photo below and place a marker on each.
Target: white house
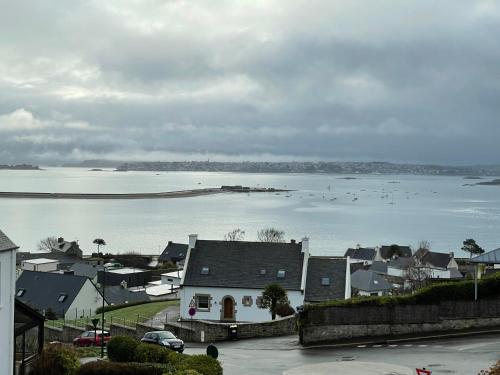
(7, 302)
(40, 264)
(64, 294)
(224, 280)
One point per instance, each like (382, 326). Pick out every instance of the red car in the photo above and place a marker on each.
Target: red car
(88, 338)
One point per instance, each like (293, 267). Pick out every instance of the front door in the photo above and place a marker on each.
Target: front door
(228, 308)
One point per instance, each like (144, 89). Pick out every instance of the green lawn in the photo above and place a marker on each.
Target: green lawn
(128, 315)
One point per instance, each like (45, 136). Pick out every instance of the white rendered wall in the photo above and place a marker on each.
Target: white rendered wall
(243, 313)
(7, 290)
(42, 267)
(85, 303)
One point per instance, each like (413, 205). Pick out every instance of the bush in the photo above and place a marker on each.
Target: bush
(122, 348)
(284, 310)
(149, 353)
(56, 360)
(186, 372)
(113, 368)
(201, 363)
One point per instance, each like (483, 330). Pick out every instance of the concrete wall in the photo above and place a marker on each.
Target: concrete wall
(335, 324)
(202, 331)
(65, 334)
(7, 292)
(242, 313)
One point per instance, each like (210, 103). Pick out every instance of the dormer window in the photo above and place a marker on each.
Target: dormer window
(20, 292)
(325, 281)
(62, 297)
(205, 270)
(281, 274)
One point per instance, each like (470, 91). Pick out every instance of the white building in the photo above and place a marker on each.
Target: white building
(40, 264)
(7, 301)
(224, 280)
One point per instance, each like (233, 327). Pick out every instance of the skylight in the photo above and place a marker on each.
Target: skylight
(281, 274)
(325, 281)
(205, 270)
(20, 292)
(62, 297)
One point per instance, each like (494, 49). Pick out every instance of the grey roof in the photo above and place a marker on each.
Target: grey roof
(83, 269)
(364, 253)
(322, 267)
(173, 251)
(433, 259)
(118, 295)
(64, 259)
(369, 281)
(492, 257)
(5, 243)
(379, 267)
(43, 289)
(238, 264)
(400, 262)
(386, 252)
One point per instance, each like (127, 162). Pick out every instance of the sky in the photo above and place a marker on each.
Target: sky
(401, 81)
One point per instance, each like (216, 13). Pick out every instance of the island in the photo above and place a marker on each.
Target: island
(495, 182)
(20, 167)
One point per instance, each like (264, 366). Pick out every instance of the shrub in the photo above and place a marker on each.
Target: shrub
(186, 372)
(122, 348)
(56, 360)
(149, 353)
(201, 363)
(284, 310)
(113, 368)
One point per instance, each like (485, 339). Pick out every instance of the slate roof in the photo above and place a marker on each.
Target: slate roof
(400, 262)
(43, 289)
(5, 243)
(386, 252)
(322, 267)
(379, 267)
(363, 253)
(83, 269)
(491, 257)
(173, 252)
(433, 259)
(369, 281)
(118, 295)
(238, 264)
(64, 259)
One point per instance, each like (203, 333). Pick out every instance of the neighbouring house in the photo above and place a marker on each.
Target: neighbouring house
(365, 255)
(172, 277)
(64, 295)
(7, 302)
(379, 267)
(118, 295)
(125, 276)
(84, 269)
(328, 278)
(70, 248)
(369, 283)
(385, 253)
(438, 265)
(174, 252)
(162, 292)
(63, 260)
(40, 264)
(399, 266)
(224, 280)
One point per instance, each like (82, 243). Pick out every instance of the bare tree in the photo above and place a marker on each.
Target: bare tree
(271, 235)
(424, 245)
(47, 244)
(235, 235)
(417, 276)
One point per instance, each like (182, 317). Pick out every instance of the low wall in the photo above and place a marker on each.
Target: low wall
(338, 323)
(204, 331)
(64, 334)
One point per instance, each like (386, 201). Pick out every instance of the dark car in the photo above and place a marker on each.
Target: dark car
(88, 338)
(164, 338)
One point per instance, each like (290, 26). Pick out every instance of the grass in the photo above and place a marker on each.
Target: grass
(128, 316)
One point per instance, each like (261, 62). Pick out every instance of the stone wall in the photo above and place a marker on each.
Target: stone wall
(343, 323)
(65, 334)
(204, 331)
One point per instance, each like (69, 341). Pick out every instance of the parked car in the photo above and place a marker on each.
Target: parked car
(88, 338)
(164, 338)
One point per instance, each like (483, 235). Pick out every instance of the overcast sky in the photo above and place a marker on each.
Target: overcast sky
(403, 81)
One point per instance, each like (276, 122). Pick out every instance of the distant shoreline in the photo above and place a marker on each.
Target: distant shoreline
(161, 195)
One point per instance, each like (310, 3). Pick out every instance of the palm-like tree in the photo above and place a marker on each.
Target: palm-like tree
(99, 242)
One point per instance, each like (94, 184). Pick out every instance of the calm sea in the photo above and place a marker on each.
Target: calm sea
(334, 211)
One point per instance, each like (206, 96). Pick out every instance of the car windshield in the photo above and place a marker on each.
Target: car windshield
(166, 335)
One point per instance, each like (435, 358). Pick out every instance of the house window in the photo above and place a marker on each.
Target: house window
(281, 274)
(258, 301)
(202, 302)
(20, 292)
(62, 297)
(247, 301)
(325, 281)
(205, 270)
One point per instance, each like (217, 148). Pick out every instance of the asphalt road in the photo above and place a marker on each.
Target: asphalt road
(465, 356)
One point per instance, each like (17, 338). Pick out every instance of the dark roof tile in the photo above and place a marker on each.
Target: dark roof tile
(319, 268)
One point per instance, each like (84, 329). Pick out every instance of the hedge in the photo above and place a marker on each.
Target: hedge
(113, 368)
(122, 348)
(488, 287)
(56, 360)
(150, 353)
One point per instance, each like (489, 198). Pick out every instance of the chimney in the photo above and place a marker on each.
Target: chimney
(60, 239)
(452, 254)
(305, 245)
(358, 246)
(305, 250)
(292, 241)
(192, 240)
(169, 243)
